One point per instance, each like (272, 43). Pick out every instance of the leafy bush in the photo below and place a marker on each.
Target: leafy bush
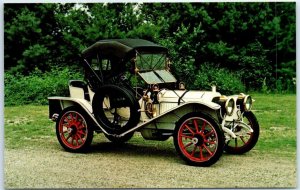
(35, 88)
(285, 86)
(226, 82)
(254, 65)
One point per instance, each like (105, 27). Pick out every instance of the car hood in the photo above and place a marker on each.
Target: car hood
(186, 96)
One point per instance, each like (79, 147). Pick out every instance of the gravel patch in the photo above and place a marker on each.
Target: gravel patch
(140, 166)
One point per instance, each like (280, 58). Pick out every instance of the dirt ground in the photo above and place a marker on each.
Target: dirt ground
(135, 165)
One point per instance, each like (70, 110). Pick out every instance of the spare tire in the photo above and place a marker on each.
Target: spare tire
(116, 109)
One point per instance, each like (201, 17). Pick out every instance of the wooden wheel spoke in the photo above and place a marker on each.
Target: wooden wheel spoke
(208, 134)
(203, 126)
(186, 136)
(65, 131)
(77, 123)
(71, 117)
(80, 132)
(72, 141)
(188, 144)
(242, 138)
(189, 129)
(68, 122)
(81, 127)
(193, 152)
(76, 119)
(236, 143)
(77, 140)
(210, 153)
(201, 153)
(81, 139)
(69, 136)
(196, 126)
(210, 142)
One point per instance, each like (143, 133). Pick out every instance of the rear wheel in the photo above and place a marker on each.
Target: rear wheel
(73, 131)
(198, 139)
(245, 141)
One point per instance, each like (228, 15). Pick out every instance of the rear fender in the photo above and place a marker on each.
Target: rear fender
(57, 104)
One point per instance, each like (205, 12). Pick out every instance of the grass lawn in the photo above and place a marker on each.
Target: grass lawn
(27, 126)
(276, 115)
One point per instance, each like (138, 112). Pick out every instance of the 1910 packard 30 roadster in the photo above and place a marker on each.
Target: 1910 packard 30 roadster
(129, 88)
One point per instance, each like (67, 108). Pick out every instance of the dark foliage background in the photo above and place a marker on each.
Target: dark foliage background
(236, 46)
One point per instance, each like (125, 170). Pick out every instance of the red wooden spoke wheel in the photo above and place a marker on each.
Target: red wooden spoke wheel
(245, 141)
(73, 131)
(198, 139)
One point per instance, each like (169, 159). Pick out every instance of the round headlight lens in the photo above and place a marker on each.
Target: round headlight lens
(229, 106)
(247, 103)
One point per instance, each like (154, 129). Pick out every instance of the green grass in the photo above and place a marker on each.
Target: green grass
(29, 126)
(276, 115)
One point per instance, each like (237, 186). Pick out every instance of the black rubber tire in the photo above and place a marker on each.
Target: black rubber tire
(82, 119)
(119, 140)
(115, 92)
(218, 134)
(252, 140)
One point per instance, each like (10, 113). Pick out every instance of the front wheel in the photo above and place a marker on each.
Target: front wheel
(245, 141)
(73, 131)
(198, 139)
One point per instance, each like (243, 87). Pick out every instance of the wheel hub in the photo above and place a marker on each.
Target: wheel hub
(72, 129)
(194, 140)
(197, 140)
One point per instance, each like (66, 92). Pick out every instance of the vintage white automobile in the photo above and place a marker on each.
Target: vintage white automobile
(129, 88)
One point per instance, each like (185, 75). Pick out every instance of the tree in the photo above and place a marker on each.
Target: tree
(254, 41)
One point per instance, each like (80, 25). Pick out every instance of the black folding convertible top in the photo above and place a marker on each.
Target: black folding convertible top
(121, 48)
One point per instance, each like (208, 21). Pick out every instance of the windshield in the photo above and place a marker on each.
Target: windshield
(153, 68)
(158, 76)
(151, 61)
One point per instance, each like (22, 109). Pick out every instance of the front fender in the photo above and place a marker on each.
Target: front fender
(168, 119)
